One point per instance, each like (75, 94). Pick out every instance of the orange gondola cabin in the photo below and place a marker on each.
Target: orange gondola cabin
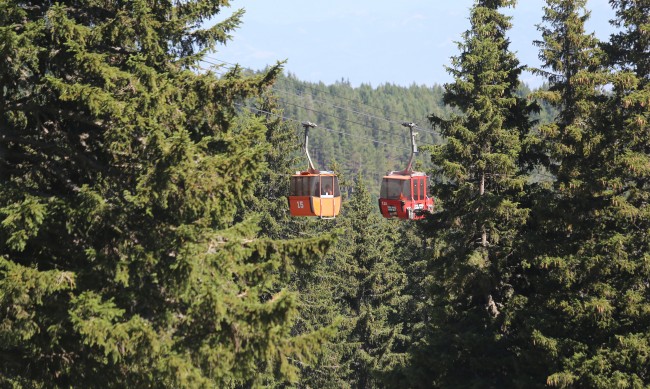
(314, 192)
(403, 193)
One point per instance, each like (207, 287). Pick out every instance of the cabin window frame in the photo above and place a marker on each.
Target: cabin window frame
(314, 185)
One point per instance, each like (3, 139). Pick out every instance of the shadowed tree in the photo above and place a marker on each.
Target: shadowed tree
(479, 179)
(370, 292)
(360, 288)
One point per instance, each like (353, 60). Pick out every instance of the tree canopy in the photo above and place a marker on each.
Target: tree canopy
(123, 259)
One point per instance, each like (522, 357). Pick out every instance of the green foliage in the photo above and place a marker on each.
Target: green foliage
(480, 182)
(126, 259)
(366, 133)
(359, 289)
(589, 252)
(145, 239)
(22, 222)
(370, 292)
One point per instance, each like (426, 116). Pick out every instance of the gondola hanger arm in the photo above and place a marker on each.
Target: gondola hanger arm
(307, 126)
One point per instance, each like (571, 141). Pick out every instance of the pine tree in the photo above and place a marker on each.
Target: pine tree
(570, 60)
(479, 181)
(122, 261)
(592, 247)
(371, 291)
(359, 288)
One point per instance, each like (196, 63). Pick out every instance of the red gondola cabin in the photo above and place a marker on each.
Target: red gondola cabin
(404, 196)
(404, 193)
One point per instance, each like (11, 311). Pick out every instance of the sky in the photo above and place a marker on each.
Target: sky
(377, 41)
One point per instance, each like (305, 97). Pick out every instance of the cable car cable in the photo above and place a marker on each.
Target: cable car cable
(325, 128)
(421, 129)
(367, 105)
(353, 110)
(338, 117)
(335, 106)
(347, 110)
(349, 164)
(338, 96)
(347, 120)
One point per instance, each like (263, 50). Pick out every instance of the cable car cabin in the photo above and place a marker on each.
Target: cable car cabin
(404, 196)
(314, 193)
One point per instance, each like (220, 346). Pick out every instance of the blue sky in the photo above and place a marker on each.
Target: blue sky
(376, 41)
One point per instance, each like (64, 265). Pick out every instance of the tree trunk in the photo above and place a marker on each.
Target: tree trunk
(481, 192)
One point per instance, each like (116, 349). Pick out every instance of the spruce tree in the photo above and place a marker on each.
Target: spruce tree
(626, 243)
(479, 181)
(371, 292)
(592, 245)
(122, 170)
(283, 158)
(359, 288)
(570, 59)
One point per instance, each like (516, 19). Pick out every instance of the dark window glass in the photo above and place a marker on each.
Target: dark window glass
(335, 185)
(312, 188)
(297, 186)
(300, 186)
(292, 187)
(329, 186)
(407, 189)
(423, 188)
(383, 192)
(392, 188)
(326, 186)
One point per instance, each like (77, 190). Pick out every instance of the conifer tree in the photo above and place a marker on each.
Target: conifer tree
(570, 58)
(122, 169)
(592, 246)
(360, 289)
(371, 291)
(570, 61)
(479, 181)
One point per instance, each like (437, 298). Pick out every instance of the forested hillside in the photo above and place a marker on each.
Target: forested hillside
(146, 241)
